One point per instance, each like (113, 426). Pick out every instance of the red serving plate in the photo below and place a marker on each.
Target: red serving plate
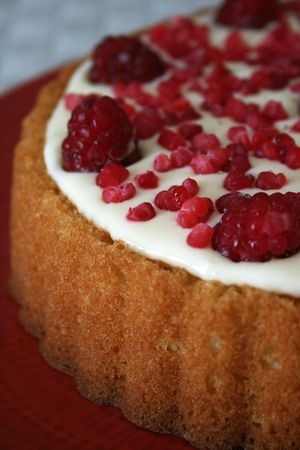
(40, 408)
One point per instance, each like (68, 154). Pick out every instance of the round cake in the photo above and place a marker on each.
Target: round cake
(156, 226)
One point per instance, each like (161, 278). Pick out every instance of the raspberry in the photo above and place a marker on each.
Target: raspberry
(147, 123)
(179, 37)
(162, 163)
(111, 175)
(292, 157)
(233, 200)
(147, 180)
(192, 186)
(239, 135)
(72, 100)
(275, 111)
(141, 213)
(203, 142)
(189, 130)
(269, 180)
(236, 110)
(124, 59)
(202, 164)
(181, 157)
(259, 228)
(193, 211)
(238, 158)
(247, 13)
(200, 236)
(98, 132)
(296, 126)
(235, 47)
(117, 194)
(170, 139)
(172, 199)
(236, 181)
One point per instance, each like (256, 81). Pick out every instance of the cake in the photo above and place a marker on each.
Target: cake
(156, 226)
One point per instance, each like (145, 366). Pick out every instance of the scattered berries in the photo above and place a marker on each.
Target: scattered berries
(247, 13)
(124, 59)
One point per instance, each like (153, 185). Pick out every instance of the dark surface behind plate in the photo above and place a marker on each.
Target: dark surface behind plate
(40, 408)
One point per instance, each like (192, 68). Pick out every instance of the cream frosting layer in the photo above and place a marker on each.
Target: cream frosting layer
(161, 238)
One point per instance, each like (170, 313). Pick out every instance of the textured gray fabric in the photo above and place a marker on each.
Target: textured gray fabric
(38, 34)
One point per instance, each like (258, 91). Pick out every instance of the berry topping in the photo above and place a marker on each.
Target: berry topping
(247, 13)
(181, 157)
(162, 163)
(147, 180)
(147, 123)
(269, 180)
(99, 131)
(258, 228)
(117, 194)
(124, 59)
(111, 175)
(141, 213)
(200, 236)
(235, 181)
(172, 199)
(189, 130)
(193, 211)
(170, 139)
(192, 186)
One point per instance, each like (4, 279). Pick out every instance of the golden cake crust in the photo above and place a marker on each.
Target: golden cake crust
(218, 365)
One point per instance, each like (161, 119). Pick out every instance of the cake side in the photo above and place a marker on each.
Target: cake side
(215, 364)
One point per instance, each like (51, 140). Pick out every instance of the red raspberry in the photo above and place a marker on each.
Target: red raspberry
(275, 111)
(247, 13)
(200, 236)
(170, 139)
(147, 123)
(172, 199)
(236, 181)
(111, 175)
(203, 142)
(99, 131)
(269, 180)
(189, 130)
(193, 211)
(117, 194)
(147, 180)
(259, 228)
(162, 163)
(124, 59)
(192, 186)
(141, 213)
(181, 157)
(202, 164)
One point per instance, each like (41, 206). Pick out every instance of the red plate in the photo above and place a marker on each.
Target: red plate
(40, 408)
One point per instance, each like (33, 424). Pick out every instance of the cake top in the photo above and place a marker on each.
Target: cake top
(184, 142)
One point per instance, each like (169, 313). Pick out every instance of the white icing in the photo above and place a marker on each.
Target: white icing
(161, 238)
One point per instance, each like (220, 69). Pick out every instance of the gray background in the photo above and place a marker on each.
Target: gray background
(36, 35)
